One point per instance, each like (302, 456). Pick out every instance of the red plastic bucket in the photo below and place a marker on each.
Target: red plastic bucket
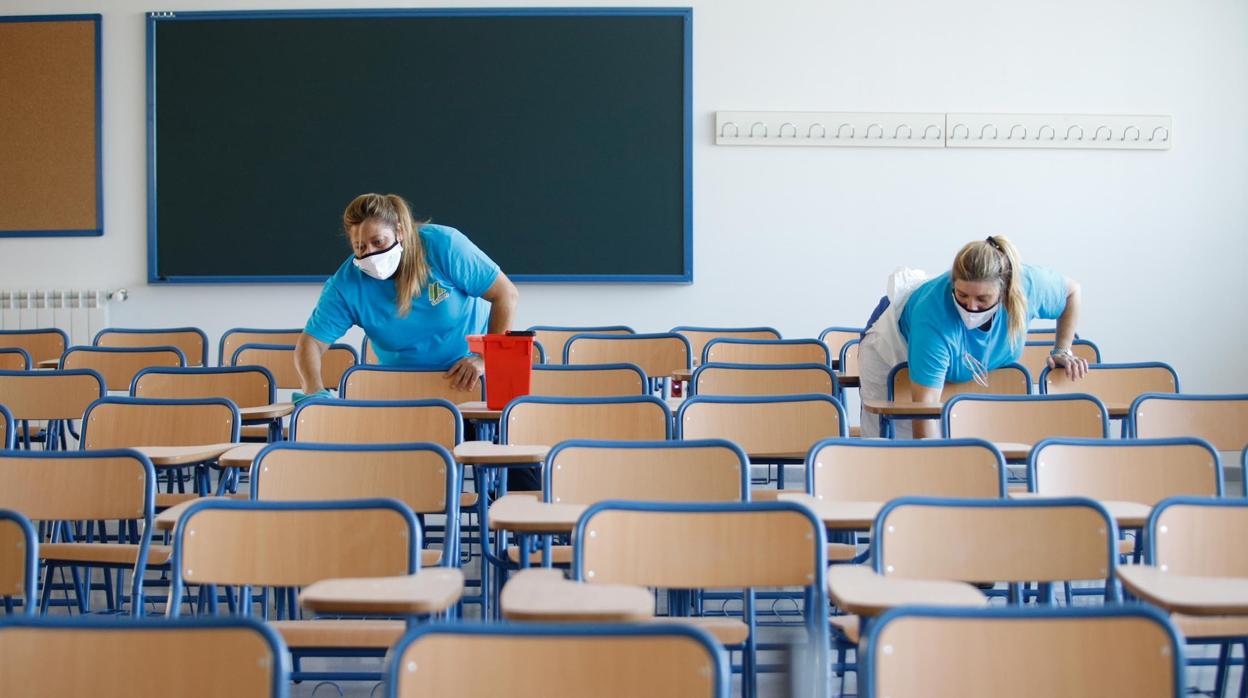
(508, 365)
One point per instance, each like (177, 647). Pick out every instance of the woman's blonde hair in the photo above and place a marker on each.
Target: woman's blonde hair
(996, 259)
(393, 211)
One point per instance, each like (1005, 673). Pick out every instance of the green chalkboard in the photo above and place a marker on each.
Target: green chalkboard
(557, 140)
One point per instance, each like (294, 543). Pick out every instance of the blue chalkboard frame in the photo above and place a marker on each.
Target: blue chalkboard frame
(686, 275)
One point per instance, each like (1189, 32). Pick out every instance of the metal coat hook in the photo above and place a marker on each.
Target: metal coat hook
(928, 130)
(842, 126)
(723, 130)
(1109, 133)
(1129, 129)
(756, 125)
(1072, 128)
(954, 133)
(1165, 131)
(984, 129)
(1040, 132)
(878, 126)
(790, 125)
(1010, 136)
(823, 131)
(897, 132)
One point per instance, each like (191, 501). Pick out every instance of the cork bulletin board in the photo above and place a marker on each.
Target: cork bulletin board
(50, 176)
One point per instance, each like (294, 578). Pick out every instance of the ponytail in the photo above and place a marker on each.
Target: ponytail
(996, 259)
(392, 210)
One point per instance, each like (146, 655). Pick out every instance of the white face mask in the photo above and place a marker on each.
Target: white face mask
(382, 264)
(973, 320)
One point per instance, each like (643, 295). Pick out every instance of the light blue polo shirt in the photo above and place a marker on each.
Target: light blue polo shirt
(938, 338)
(449, 308)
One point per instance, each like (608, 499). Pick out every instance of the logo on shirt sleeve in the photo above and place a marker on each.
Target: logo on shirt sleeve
(437, 293)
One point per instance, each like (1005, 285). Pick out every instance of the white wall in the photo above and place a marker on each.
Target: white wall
(803, 238)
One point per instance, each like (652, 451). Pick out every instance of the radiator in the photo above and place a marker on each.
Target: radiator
(80, 313)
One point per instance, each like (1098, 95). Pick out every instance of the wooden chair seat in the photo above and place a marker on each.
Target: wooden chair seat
(357, 634)
(855, 432)
(729, 631)
(104, 553)
(559, 555)
(1197, 627)
(260, 432)
(167, 500)
(467, 500)
(1126, 546)
(430, 558)
(848, 626)
(841, 552)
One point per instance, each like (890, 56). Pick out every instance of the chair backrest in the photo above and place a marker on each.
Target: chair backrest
(6, 427)
(697, 546)
(192, 341)
(1035, 355)
(19, 560)
(1022, 653)
(1024, 419)
(15, 359)
(545, 421)
(764, 379)
(699, 336)
(113, 484)
(368, 356)
(1128, 470)
(784, 426)
(1011, 379)
(237, 337)
(41, 345)
(588, 380)
(766, 351)
(553, 338)
(659, 355)
(280, 361)
(377, 422)
(1199, 536)
(849, 358)
(835, 338)
(995, 540)
(50, 394)
(291, 544)
(118, 366)
(1114, 384)
(105, 651)
(586, 472)
(1222, 420)
(534, 660)
(245, 386)
(125, 422)
(872, 470)
(423, 476)
(367, 382)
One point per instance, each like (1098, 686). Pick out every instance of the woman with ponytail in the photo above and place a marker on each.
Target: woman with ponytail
(962, 324)
(416, 289)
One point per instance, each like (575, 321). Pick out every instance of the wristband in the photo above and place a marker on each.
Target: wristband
(1061, 351)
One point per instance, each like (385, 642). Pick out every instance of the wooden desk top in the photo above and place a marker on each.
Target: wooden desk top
(48, 363)
(682, 374)
(240, 456)
(858, 589)
(838, 515)
(1127, 514)
(1195, 596)
(1013, 451)
(524, 513)
(264, 412)
(487, 453)
(847, 380)
(168, 456)
(543, 594)
(903, 408)
(431, 590)
(167, 520)
(477, 410)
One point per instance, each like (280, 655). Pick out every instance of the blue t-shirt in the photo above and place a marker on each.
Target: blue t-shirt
(938, 338)
(448, 309)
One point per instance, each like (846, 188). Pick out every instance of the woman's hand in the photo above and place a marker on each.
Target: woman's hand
(466, 372)
(1075, 366)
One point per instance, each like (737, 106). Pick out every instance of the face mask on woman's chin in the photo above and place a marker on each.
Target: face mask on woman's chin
(976, 319)
(382, 264)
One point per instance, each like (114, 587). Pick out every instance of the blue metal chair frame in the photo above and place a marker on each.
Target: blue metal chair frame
(836, 385)
(290, 348)
(82, 348)
(9, 429)
(1034, 457)
(275, 425)
(294, 336)
(722, 682)
(815, 595)
(243, 609)
(706, 350)
(53, 437)
(903, 444)
(30, 555)
(29, 365)
(871, 642)
(1066, 397)
(281, 669)
(377, 368)
(645, 380)
(887, 429)
(46, 330)
(432, 402)
(1139, 401)
(658, 382)
(1126, 422)
(836, 361)
(203, 338)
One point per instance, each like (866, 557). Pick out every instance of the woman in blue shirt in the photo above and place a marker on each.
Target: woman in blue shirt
(965, 323)
(417, 290)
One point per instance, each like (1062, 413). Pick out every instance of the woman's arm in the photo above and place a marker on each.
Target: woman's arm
(308, 353)
(503, 296)
(1076, 367)
(925, 428)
